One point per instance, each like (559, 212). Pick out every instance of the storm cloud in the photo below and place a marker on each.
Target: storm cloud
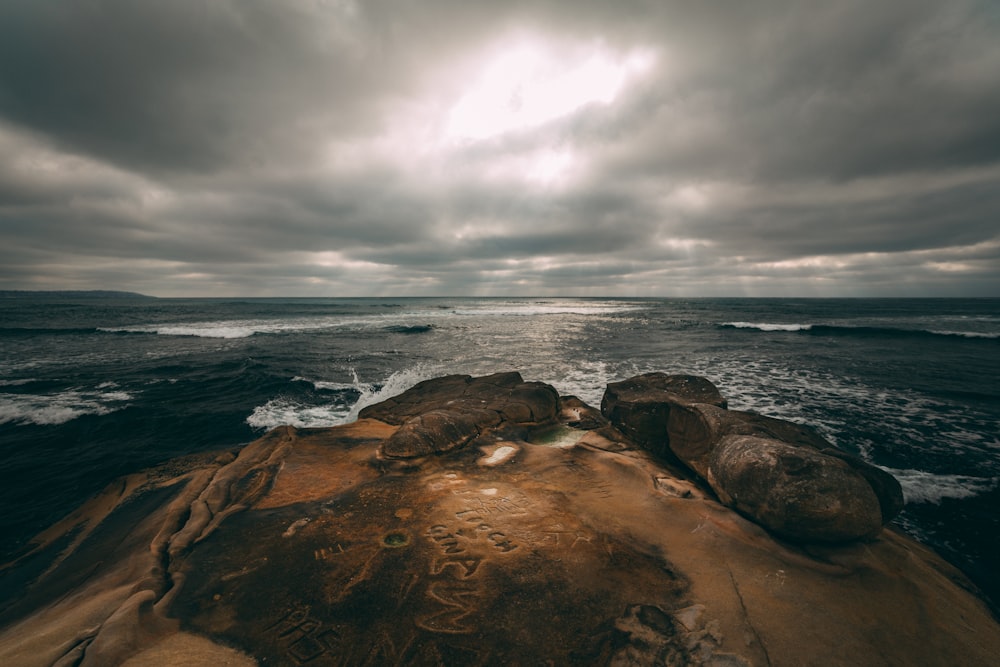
(338, 148)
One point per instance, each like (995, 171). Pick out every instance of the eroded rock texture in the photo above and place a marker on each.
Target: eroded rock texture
(510, 526)
(784, 476)
(446, 413)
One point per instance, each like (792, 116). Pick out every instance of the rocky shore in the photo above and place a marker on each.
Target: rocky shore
(490, 521)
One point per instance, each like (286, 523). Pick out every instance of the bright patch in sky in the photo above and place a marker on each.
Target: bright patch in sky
(528, 84)
(549, 167)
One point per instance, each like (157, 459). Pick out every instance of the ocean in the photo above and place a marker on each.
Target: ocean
(93, 387)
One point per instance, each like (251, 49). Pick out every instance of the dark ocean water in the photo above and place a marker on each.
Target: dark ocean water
(93, 388)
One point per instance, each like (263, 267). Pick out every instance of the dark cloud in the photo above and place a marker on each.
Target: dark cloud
(265, 147)
(182, 85)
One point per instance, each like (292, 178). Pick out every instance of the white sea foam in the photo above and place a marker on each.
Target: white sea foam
(768, 326)
(587, 381)
(15, 383)
(394, 385)
(205, 329)
(529, 309)
(237, 328)
(968, 334)
(920, 486)
(283, 411)
(416, 318)
(329, 386)
(59, 408)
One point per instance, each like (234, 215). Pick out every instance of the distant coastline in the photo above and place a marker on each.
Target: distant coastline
(86, 294)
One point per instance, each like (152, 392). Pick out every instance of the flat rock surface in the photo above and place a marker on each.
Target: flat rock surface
(541, 544)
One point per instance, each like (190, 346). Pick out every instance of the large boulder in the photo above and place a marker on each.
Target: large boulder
(783, 475)
(437, 431)
(796, 492)
(640, 406)
(447, 413)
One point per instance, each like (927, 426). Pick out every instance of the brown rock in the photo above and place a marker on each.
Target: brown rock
(797, 492)
(640, 406)
(574, 412)
(437, 431)
(448, 413)
(310, 547)
(541, 400)
(448, 392)
(886, 487)
(694, 432)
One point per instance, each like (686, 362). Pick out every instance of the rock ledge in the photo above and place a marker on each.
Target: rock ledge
(489, 521)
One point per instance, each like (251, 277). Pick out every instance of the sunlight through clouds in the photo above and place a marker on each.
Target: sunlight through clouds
(528, 83)
(397, 147)
(550, 167)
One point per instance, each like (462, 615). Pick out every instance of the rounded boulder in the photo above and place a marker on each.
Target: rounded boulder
(795, 492)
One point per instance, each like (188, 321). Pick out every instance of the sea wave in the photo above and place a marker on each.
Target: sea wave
(587, 380)
(967, 334)
(45, 331)
(16, 383)
(59, 408)
(410, 329)
(234, 328)
(247, 328)
(532, 309)
(767, 326)
(854, 414)
(857, 330)
(394, 385)
(285, 411)
(411, 322)
(323, 385)
(920, 486)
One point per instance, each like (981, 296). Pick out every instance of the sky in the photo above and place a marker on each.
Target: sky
(472, 147)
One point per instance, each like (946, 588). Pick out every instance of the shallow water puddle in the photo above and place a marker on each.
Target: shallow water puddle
(557, 436)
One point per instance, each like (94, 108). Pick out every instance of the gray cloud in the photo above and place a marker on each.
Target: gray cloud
(304, 148)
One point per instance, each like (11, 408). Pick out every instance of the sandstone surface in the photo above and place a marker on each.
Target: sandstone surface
(784, 476)
(481, 521)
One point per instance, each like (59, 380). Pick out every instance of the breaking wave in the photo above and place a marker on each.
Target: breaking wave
(286, 411)
(861, 331)
(527, 309)
(766, 326)
(920, 486)
(231, 328)
(59, 408)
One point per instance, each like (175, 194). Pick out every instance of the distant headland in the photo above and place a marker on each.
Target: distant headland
(76, 294)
